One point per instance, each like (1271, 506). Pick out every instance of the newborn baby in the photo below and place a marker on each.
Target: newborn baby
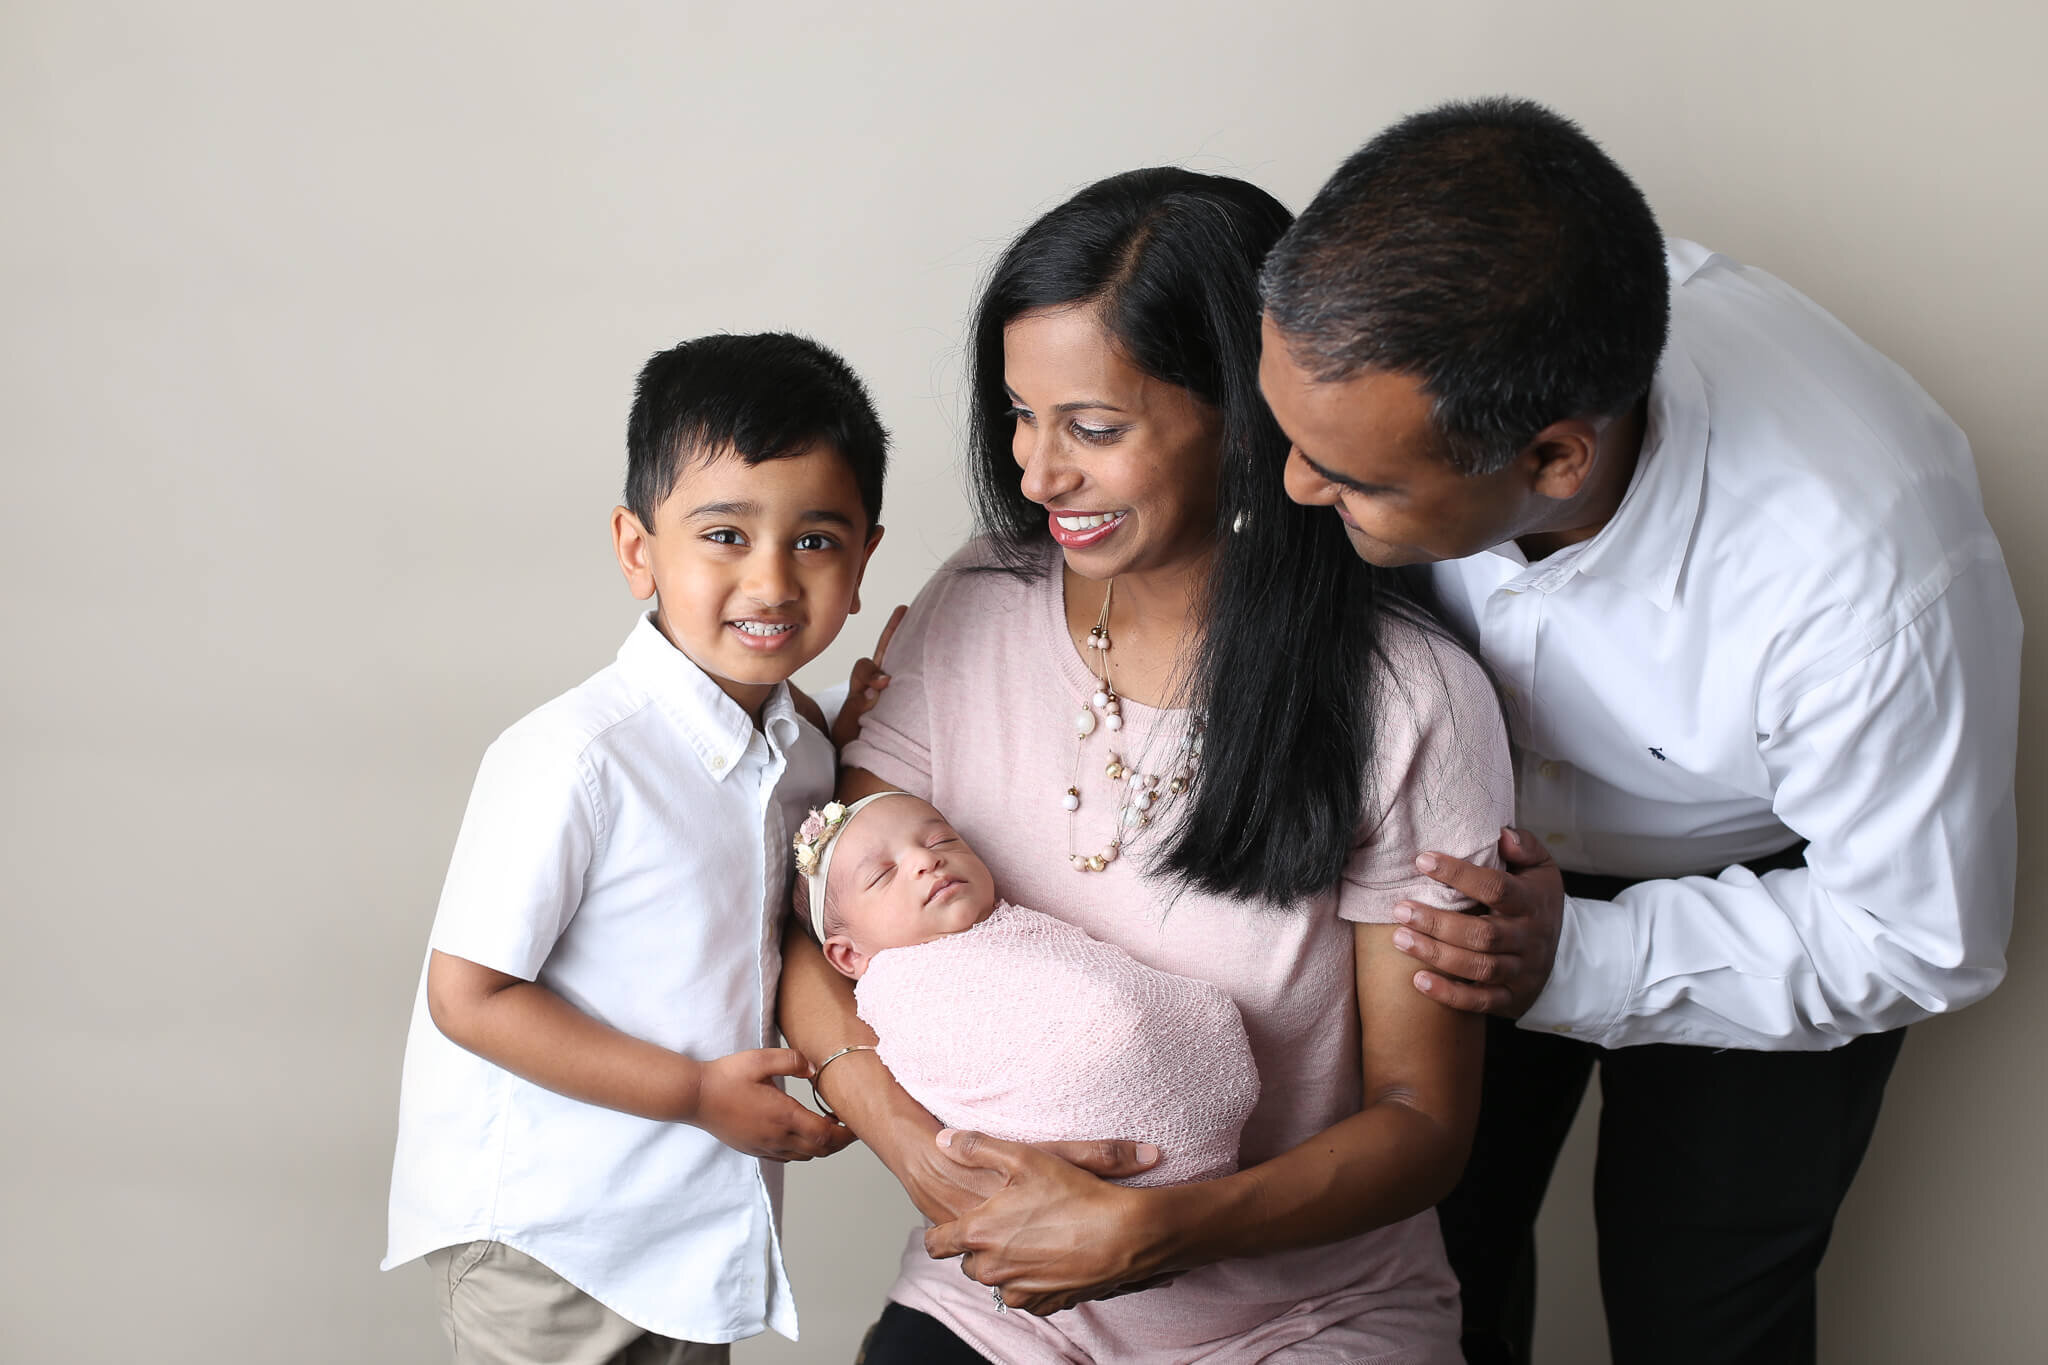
(1009, 1021)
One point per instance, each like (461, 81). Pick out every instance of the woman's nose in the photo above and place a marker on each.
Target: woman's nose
(1047, 474)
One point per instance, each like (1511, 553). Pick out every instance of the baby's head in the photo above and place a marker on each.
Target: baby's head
(886, 872)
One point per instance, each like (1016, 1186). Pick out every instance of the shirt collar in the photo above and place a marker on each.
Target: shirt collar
(715, 725)
(1645, 543)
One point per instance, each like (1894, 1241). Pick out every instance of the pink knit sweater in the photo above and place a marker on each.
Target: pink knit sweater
(1025, 1028)
(977, 720)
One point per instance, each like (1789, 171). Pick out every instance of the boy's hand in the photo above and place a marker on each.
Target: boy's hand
(737, 1105)
(864, 686)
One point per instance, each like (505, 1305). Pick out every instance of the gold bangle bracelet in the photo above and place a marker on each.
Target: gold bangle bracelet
(819, 1070)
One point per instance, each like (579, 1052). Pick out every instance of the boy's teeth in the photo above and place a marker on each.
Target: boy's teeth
(1089, 522)
(763, 628)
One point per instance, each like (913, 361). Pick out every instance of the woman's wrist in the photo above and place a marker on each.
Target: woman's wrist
(1185, 1226)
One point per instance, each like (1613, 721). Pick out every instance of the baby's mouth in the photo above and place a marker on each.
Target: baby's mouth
(940, 887)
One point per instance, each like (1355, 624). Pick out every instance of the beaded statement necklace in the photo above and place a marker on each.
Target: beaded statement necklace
(1143, 794)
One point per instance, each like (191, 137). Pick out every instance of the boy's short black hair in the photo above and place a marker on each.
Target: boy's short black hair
(1495, 252)
(767, 396)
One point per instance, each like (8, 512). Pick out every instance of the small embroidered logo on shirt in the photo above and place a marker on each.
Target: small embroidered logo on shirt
(1658, 754)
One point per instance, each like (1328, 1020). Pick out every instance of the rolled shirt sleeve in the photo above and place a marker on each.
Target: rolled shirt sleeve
(1898, 771)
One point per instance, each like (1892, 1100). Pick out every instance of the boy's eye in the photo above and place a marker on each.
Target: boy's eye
(725, 535)
(816, 540)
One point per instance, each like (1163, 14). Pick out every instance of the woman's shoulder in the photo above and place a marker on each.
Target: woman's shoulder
(1427, 671)
(978, 579)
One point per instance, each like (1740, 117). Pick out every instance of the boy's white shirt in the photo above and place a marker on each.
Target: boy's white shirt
(627, 846)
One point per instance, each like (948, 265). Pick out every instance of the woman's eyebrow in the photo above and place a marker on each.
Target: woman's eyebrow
(1079, 405)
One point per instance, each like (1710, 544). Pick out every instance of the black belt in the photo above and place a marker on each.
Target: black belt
(1595, 886)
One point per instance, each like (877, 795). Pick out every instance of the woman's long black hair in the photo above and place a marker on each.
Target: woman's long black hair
(1287, 671)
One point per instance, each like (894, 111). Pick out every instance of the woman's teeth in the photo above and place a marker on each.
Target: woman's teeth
(764, 628)
(1088, 522)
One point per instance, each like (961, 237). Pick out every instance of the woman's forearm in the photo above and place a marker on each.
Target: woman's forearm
(818, 1019)
(1388, 1162)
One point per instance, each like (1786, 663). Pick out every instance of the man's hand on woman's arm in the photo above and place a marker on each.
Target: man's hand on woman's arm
(1496, 961)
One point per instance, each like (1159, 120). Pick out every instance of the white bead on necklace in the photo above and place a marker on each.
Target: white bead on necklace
(1143, 792)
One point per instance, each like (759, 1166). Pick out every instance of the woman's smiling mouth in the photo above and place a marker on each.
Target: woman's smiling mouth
(1077, 530)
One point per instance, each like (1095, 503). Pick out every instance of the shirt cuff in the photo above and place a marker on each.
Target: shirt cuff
(1593, 976)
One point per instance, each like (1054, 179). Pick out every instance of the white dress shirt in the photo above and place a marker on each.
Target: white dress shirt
(626, 845)
(1797, 626)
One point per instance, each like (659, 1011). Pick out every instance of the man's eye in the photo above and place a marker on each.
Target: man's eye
(725, 535)
(816, 540)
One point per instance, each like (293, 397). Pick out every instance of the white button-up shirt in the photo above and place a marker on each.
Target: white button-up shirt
(1797, 626)
(626, 846)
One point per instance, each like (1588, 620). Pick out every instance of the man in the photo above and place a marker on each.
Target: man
(1760, 658)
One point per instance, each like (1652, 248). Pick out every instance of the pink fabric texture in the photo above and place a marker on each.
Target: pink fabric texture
(977, 720)
(1025, 1028)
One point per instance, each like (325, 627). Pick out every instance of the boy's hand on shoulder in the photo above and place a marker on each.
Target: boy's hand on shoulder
(864, 686)
(738, 1103)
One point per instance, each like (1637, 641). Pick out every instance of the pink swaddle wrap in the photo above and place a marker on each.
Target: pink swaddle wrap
(1025, 1028)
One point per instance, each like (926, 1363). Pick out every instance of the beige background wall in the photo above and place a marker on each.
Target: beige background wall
(317, 326)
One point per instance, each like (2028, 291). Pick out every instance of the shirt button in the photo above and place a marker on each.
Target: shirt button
(1556, 838)
(718, 763)
(1548, 770)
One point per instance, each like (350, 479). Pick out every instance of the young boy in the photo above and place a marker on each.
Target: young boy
(591, 1121)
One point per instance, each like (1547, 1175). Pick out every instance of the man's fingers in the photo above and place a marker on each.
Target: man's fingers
(1522, 849)
(1110, 1158)
(1485, 969)
(1471, 933)
(1489, 886)
(1460, 996)
(888, 632)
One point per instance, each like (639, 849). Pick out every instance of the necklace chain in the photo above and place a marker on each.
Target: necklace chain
(1143, 794)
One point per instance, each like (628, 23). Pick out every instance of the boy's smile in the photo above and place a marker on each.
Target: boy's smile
(755, 567)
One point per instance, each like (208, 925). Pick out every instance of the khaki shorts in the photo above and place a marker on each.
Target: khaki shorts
(502, 1307)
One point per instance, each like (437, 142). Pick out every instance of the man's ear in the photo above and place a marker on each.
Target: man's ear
(634, 544)
(867, 553)
(1563, 454)
(847, 959)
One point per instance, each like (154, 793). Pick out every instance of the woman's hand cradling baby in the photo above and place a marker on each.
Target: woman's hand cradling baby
(1054, 1234)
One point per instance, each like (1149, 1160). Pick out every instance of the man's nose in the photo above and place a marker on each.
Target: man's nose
(1304, 485)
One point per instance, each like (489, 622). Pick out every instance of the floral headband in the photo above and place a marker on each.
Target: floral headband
(815, 840)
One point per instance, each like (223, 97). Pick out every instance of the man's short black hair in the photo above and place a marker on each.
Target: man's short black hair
(768, 396)
(1491, 250)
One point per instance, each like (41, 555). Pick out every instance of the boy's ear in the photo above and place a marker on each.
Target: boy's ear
(633, 544)
(847, 959)
(867, 553)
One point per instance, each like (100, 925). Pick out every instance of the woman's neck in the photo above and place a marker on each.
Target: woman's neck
(1154, 625)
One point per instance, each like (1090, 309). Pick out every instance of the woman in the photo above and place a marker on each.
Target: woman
(1171, 707)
